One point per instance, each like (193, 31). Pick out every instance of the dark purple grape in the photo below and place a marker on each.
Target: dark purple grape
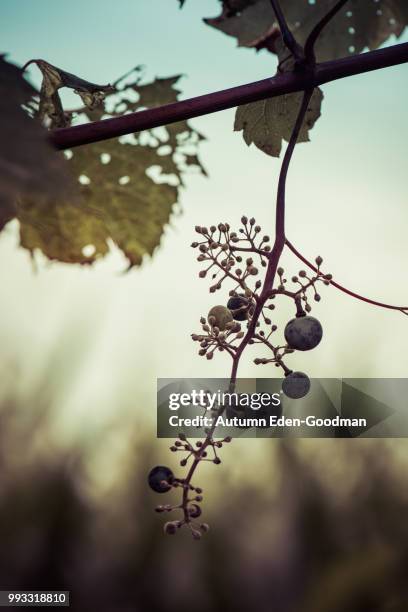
(160, 478)
(239, 307)
(303, 333)
(237, 301)
(170, 528)
(296, 385)
(194, 511)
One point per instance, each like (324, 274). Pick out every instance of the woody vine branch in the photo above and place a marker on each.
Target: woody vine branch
(325, 72)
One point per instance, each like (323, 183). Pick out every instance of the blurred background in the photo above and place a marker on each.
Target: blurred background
(295, 525)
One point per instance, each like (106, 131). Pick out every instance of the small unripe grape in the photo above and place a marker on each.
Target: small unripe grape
(160, 478)
(296, 385)
(196, 534)
(303, 333)
(194, 511)
(221, 315)
(170, 528)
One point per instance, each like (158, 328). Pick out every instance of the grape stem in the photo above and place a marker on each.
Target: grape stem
(318, 29)
(287, 35)
(403, 309)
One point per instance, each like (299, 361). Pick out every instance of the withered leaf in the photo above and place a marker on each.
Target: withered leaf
(54, 78)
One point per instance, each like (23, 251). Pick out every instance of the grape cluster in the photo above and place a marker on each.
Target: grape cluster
(230, 256)
(242, 318)
(161, 479)
(225, 254)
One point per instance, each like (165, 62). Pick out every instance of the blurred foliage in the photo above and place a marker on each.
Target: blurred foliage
(127, 187)
(321, 527)
(28, 164)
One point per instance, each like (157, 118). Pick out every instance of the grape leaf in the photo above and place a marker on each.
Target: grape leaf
(28, 163)
(360, 24)
(128, 186)
(267, 122)
(131, 212)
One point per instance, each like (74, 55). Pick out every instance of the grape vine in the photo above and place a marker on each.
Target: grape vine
(237, 257)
